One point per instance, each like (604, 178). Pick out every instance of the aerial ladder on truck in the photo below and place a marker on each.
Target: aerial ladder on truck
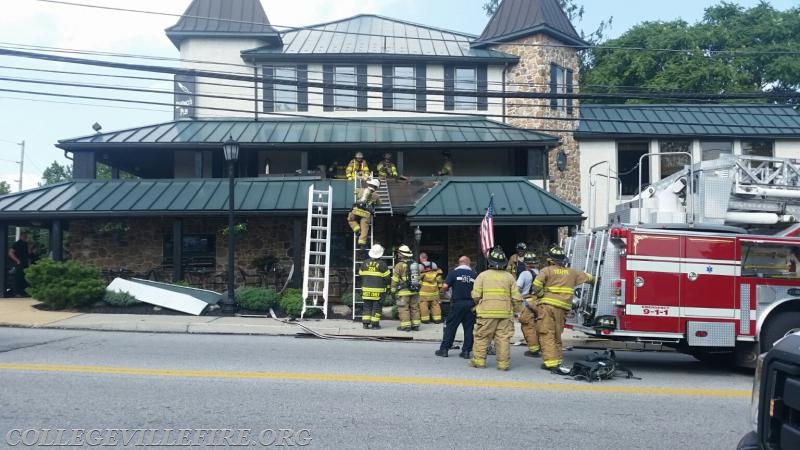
(729, 196)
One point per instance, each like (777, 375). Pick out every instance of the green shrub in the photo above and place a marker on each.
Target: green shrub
(388, 300)
(291, 303)
(62, 284)
(395, 313)
(120, 298)
(347, 298)
(256, 298)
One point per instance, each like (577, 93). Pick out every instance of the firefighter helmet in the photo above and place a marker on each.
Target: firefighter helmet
(497, 258)
(404, 251)
(521, 246)
(359, 155)
(374, 183)
(557, 254)
(529, 258)
(376, 251)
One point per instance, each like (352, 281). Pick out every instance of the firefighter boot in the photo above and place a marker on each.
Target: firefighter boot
(536, 354)
(366, 325)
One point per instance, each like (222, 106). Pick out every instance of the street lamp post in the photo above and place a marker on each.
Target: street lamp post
(417, 240)
(231, 150)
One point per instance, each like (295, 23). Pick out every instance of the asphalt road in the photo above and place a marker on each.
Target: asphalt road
(354, 394)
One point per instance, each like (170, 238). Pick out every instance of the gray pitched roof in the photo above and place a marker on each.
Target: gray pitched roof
(376, 38)
(722, 120)
(321, 132)
(463, 201)
(516, 19)
(223, 18)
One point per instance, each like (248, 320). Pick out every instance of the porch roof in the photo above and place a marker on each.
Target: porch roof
(517, 201)
(319, 133)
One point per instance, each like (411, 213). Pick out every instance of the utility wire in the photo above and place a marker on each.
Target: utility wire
(287, 29)
(523, 95)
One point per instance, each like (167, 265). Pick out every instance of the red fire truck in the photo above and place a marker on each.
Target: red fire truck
(671, 269)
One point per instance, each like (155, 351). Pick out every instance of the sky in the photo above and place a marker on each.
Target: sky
(40, 121)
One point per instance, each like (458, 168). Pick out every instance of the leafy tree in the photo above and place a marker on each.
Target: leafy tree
(56, 173)
(731, 50)
(4, 188)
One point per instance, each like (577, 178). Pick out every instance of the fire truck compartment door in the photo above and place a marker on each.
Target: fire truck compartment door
(708, 277)
(653, 267)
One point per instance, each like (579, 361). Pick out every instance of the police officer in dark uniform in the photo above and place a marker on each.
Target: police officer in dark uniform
(460, 280)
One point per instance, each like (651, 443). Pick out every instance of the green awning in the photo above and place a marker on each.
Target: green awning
(517, 201)
(290, 133)
(189, 197)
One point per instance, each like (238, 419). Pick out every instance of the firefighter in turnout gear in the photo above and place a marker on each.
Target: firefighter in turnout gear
(447, 166)
(554, 287)
(387, 168)
(357, 167)
(516, 263)
(363, 208)
(374, 277)
(405, 289)
(429, 287)
(527, 315)
(497, 297)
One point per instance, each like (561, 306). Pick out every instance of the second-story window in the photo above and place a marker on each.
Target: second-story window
(561, 84)
(458, 80)
(344, 99)
(285, 88)
(403, 78)
(336, 92)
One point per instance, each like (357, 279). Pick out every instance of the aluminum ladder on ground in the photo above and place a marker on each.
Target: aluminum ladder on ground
(317, 255)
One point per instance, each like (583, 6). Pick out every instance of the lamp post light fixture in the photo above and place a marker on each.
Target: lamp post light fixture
(231, 150)
(417, 240)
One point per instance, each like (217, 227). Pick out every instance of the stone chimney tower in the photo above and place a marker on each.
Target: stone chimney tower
(540, 33)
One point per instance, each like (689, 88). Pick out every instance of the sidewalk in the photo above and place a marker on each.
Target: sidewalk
(19, 312)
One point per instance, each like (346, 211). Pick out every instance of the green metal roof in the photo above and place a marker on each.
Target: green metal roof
(371, 37)
(223, 18)
(320, 132)
(463, 201)
(756, 120)
(190, 197)
(516, 19)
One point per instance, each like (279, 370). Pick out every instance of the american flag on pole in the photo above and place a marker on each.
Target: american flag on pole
(487, 229)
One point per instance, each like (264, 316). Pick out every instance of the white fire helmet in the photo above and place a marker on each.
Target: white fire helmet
(376, 251)
(374, 183)
(404, 251)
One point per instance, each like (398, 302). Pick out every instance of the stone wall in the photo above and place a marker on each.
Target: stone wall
(532, 74)
(140, 247)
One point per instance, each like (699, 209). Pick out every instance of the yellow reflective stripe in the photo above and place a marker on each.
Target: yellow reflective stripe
(560, 290)
(373, 290)
(557, 303)
(372, 273)
(538, 283)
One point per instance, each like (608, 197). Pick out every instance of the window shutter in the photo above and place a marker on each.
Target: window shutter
(269, 88)
(553, 85)
(569, 90)
(327, 87)
(388, 95)
(422, 85)
(302, 87)
(361, 83)
(483, 88)
(449, 88)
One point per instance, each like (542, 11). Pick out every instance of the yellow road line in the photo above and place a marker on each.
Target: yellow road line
(358, 378)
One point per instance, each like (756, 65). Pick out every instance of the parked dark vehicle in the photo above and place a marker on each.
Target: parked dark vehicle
(775, 406)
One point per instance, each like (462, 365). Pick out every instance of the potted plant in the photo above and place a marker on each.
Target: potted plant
(114, 228)
(239, 228)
